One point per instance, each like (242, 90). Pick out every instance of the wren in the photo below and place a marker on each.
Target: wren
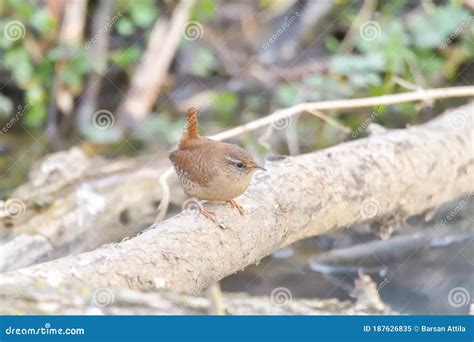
(211, 170)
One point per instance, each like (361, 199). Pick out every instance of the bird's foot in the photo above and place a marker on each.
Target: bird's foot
(236, 205)
(208, 214)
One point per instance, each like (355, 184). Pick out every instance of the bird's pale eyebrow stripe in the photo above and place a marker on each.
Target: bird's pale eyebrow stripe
(235, 161)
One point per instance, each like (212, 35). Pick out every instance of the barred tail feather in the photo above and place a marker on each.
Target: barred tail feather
(192, 130)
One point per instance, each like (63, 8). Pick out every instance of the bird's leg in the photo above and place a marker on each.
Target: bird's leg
(237, 206)
(209, 214)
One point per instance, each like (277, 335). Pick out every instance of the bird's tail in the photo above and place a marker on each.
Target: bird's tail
(192, 131)
(192, 128)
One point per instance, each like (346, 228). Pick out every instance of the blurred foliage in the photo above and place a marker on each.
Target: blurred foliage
(425, 48)
(139, 16)
(225, 104)
(31, 60)
(203, 63)
(425, 45)
(204, 10)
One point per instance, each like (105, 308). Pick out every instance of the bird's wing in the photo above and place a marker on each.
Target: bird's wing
(194, 163)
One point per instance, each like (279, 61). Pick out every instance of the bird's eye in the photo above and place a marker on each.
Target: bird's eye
(240, 165)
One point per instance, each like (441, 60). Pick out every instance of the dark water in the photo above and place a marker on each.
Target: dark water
(432, 276)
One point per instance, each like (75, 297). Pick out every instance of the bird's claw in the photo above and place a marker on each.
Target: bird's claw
(208, 214)
(236, 205)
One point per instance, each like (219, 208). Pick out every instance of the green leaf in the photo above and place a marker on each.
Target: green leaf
(125, 58)
(286, 95)
(332, 43)
(81, 63)
(348, 64)
(18, 61)
(125, 26)
(22, 8)
(203, 63)
(42, 21)
(143, 13)
(225, 104)
(36, 115)
(431, 31)
(71, 78)
(61, 52)
(44, 72)
(73, 74)
(35, 94)
(203, 10)
(430, 65)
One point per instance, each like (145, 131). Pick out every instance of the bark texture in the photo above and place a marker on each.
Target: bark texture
(386, 176)
(74, 203)
(104, 301)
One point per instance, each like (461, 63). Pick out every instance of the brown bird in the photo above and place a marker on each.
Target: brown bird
(211, 170)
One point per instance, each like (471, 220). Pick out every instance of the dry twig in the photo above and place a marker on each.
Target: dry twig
(311, 107)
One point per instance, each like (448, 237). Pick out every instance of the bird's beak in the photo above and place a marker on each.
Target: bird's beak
(259, 167)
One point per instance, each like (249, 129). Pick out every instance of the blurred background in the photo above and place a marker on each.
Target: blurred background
(116, 77)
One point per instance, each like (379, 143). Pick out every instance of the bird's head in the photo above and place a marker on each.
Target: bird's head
(239, 163)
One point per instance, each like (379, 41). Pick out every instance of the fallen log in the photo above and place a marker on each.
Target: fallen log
(74, 203)
(104, 301)
(391, 175)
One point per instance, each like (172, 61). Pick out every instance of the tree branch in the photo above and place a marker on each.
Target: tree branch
(151, 72)
(421, 95)
(390, 175)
